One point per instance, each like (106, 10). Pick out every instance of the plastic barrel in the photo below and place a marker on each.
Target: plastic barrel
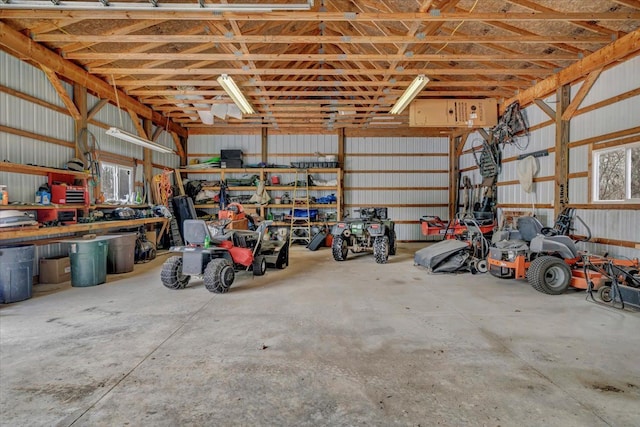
(88, 262)
(16, 272)
(121, 254)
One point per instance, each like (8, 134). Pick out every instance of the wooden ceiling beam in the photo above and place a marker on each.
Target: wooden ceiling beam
(322, 72)
(309, 93)
(459, 57)
(325, 83)
(635, 4)
(621, 48)
(203, 14)
(28, 49)
(154, 39)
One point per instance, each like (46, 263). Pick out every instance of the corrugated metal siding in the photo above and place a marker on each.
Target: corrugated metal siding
(619, 116)
(379, 178)
(20, 76)
(302, 146)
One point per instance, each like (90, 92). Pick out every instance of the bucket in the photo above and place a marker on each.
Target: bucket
(275, 180)
(121, 254)
(16, 272)
(278, 200)
(88, 262)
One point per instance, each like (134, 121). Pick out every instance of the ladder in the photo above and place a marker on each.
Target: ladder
(301, 225)
(174, 232)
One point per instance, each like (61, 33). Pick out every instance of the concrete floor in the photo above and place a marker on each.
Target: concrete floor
(320, 343)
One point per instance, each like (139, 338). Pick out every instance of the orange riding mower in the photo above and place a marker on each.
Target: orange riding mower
(549, 261)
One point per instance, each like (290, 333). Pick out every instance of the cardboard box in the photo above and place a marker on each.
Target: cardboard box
(55, 270)
(453, 113)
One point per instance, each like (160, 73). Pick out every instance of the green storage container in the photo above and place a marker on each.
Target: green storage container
(88, 261)
(16, 272)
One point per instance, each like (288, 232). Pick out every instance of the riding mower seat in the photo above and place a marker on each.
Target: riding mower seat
(195, 232)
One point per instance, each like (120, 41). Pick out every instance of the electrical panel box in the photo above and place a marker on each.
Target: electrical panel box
(453, 113)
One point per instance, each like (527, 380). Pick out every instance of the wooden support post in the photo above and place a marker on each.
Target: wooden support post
(454, 172)
(264, 152)
(341, 144)
(80, 103)
(147, 160)
(561, 194)
(177, 140)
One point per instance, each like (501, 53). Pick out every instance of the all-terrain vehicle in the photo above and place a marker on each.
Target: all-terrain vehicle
(372, 232)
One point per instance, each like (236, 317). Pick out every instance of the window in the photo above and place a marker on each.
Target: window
(117, 182)
(617, 174)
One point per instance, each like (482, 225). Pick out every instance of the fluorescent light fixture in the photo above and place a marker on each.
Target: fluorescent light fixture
(233, 91)
(157, 6)
(414, 89)
(135, 139)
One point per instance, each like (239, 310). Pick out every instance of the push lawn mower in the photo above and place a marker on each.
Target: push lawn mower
(551, 263)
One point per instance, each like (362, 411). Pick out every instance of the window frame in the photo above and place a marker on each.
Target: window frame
(117, 168)
(595, 180)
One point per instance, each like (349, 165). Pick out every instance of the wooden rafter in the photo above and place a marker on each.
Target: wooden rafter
(62, 93)
(582, 92)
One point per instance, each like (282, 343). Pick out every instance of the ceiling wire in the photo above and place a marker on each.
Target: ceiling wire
(456, 28)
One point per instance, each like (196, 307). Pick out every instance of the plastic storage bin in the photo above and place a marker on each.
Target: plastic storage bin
(89, 261)
(16, 272)
(121, 254)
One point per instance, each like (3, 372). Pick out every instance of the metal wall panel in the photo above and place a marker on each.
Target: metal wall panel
(20, 76)
(305, 146)
(611, 118)
(579, 190)
(612, 82)
(579, 159)
(380, 178)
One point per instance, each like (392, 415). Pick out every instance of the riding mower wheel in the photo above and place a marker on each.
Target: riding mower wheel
(259, 265)
(171, 275)
(549, 275)
(381, 249)
(219, 275)
(605, 294)
(339, 248)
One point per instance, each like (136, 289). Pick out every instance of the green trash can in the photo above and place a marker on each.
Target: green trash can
(88, 261)
(16, 273)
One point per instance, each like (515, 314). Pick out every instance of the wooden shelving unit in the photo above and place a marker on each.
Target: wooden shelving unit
(47, 232)
(264, 174)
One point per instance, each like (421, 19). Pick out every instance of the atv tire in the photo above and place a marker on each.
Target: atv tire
(393, 244)
(171, 275)
(549, 275)
(219, 275)
(381, 249)
(259, 265)
(339, 248)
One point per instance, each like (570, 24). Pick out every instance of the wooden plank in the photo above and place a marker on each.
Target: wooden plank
(62, 93)
(582, 92)
(615, 51)
(28, 49)
(561, 190)
(402, 205)
(524, 206)
(179, 147)
(378, 171)
(198, 14)
(609, 101)
(137, 124)
(605, 137)
(33, 100)
(393, 154)
(36, 136)
(38, 170)
(293, 57)
(341, 147)
(545, 108)
(535, 179)
(330, 39)
(438, 72)
(76, 228)
(575, 175)
(394, 188)
(97, 108)
(264, 139)
(454, 173)
(606, 206)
